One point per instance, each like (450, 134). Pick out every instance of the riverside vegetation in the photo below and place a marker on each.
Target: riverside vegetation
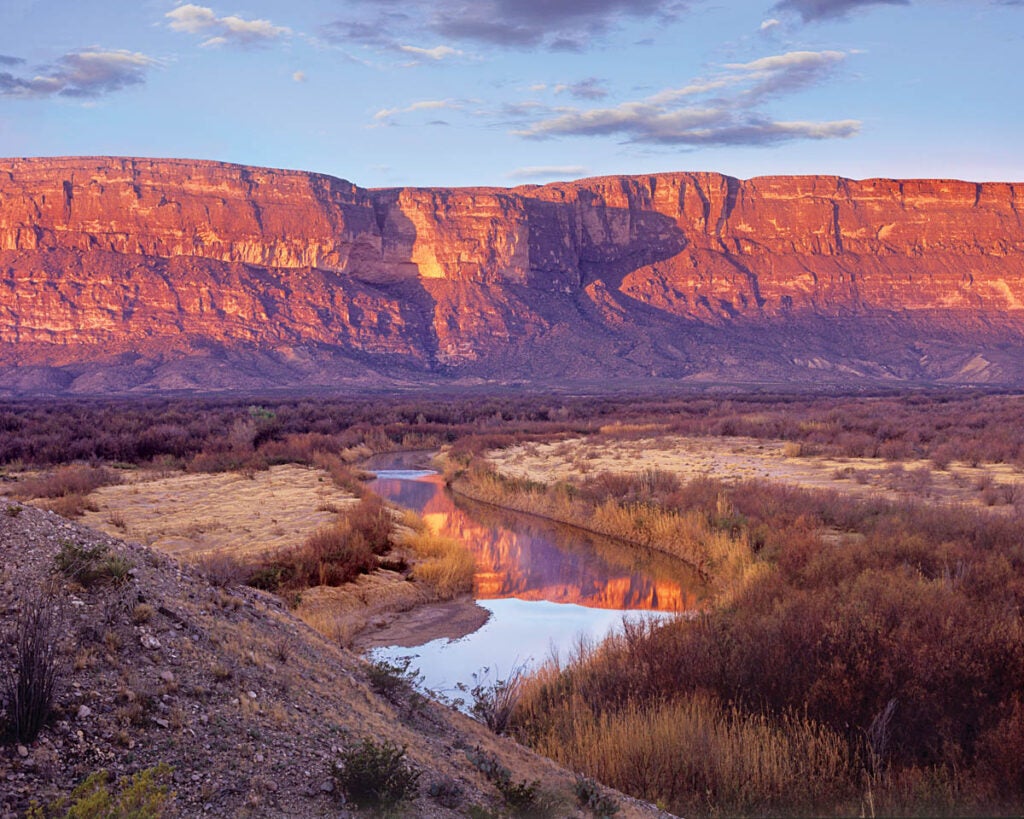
(860, 655)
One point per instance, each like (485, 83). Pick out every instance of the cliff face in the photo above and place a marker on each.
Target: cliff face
(132, 273)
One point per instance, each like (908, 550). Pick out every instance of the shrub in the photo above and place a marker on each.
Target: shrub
(30, 687)
(74, 479)
(393, 680)
(144, 795)
(525, 799)
(222, 570)
(493, 702)
(376, 775)
(89, 565)
(333, 555)
(590, 797)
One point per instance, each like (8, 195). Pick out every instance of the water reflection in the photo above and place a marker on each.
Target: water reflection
(524, 558)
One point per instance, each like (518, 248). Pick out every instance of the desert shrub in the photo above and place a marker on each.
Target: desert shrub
(376, 775)
(344, 475)
(89, 565)
(31, 685)
(331, 556)
(492, 701)
(592, 799)
(524, 799)
(223, 570)
(393, 680)
(144, 795)
(74, 479)
(896, 633)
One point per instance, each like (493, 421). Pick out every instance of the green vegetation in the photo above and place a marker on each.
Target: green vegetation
(89, 565)
(376, 775)
(144, 795)
(523, 799)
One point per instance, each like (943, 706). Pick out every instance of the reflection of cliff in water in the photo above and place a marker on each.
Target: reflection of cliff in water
(521, 557)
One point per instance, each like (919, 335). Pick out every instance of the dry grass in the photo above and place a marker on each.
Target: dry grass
(695, 755)
(735, 459)
(443, 563)
(199, 514)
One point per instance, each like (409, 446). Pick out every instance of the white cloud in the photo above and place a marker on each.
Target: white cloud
(770, 23)
(435, 53)
(299, 76)
(202, 20)
(723, 110)
(790, 60)
(385, 115)
(86, 73)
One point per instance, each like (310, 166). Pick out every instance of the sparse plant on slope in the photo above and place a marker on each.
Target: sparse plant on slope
(494, 701)
(30, 687)
(144, 795)
(89, 565)
(376, 775)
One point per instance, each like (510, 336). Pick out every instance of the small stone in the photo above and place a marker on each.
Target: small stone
(327, 786)
(149, 641)
(84, 711)
(252, 695)
(167, 676)
(258, 758)
(161, 722)
(22, 751)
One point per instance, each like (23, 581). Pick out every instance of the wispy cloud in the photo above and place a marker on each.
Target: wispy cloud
(230, 30)
(540, 172)
(825, 9)
(560, 25)
(724, 110)
(435, 53)
(814, 10)
(7, 60)
(386, 116)
(769, 24)
(589, 89)
(87, 73)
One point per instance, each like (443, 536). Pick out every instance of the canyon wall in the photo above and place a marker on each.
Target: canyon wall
(121, 274)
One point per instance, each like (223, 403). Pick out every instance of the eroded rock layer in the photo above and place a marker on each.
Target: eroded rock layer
(121, 274)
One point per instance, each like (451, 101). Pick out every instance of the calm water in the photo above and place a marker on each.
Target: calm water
(545, 585)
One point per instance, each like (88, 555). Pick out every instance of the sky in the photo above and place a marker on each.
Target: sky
(510, 92)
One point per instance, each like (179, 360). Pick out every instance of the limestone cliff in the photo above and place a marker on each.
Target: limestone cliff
(146, 274)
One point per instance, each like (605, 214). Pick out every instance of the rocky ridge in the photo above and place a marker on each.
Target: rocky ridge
(132, 274)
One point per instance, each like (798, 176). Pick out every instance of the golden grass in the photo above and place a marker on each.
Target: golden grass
(443, 563)
(697, 755)
(202, 513)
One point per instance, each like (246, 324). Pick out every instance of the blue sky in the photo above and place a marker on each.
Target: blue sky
(505, 92)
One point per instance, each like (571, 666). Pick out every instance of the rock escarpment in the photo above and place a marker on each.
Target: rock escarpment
(148, 274)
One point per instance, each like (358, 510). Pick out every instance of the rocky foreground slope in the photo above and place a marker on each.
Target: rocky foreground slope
(247, 705)
(135, 274)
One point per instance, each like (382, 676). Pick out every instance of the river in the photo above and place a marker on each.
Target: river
(545, 586)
